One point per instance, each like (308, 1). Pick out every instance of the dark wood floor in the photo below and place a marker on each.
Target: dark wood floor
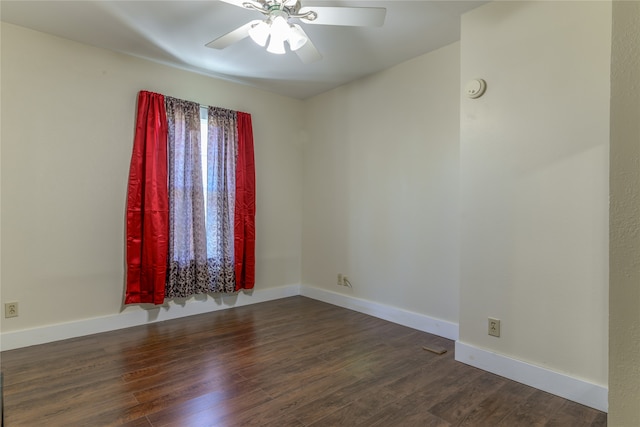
(290, 362)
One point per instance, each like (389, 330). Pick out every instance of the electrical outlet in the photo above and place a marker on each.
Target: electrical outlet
(494, 327)
(11, 309)
(340, 280)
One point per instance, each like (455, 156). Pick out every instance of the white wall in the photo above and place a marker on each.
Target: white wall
(534, 184)
(380, 182)
(68, 114)
(624, 285)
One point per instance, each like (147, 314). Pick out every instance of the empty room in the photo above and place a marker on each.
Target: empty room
(320, 213)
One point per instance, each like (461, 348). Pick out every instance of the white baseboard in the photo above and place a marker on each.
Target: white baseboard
(583, 392)
(137, 317)
(400, 316)
(134, 316)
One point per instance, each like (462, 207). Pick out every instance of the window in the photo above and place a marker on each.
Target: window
(210, 198)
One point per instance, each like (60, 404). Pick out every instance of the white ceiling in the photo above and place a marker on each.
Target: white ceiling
(175, 33)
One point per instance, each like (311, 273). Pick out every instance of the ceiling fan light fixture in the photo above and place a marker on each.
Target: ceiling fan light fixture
(259, 32)
(275, 30)
(297, 37)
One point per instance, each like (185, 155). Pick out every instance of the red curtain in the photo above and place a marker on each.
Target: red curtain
(148, 204)
(245, 206)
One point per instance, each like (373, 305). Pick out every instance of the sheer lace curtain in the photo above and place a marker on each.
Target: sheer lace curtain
(201, 230)
(187, 273)
(222, 152)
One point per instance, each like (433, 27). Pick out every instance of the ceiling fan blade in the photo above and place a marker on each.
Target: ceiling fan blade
(240, 3)
(308, 52)
(350, 16)
(231, 37)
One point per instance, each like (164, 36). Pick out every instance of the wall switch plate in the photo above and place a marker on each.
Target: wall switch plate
(494, 327)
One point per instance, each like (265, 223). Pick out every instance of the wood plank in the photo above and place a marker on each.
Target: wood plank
(457, 405)
(405, 413)
(536, 410)
(357, 411)
(288, 405)
(571, 414)
(497, 405)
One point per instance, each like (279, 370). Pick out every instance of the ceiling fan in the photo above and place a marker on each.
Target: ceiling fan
(278, 28)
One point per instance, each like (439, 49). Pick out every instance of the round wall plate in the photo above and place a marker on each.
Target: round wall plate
(475, 88)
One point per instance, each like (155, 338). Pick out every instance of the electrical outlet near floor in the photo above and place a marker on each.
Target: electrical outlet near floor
(11, 309)
(340, 280)
(494, 327)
